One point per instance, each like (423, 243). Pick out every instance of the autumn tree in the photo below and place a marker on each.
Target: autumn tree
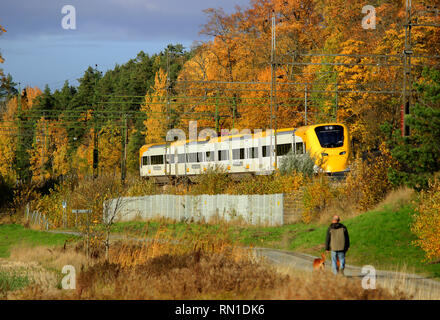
(155, 108)
(426, 225)
(39, 154)
(1, 58)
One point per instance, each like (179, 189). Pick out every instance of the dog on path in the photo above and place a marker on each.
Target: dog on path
(319, 264)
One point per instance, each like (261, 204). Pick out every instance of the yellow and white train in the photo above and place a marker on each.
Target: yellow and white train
(248, 154)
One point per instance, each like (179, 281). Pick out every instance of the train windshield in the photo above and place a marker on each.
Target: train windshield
(330, 136)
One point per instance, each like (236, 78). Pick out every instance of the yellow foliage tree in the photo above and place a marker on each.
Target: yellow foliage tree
(8, 140)
(48, 156)
(39, 154)
(156, 109)
(60, 159)
(110, 150)
(426, 224)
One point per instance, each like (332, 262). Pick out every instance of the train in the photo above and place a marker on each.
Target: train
(243, 154)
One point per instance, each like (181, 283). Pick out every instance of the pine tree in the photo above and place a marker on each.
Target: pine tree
(418, 155)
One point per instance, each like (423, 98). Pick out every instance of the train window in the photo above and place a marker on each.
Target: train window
(181, 158)
(299, 148)
(209, 155)
(330, 136)
(253, 152)
(283, 149)
(238, 154)
(192, 157)
(145, 161)
(223, 155)
(200, 157)
(170, 158)
(266, 150)
(157, 159)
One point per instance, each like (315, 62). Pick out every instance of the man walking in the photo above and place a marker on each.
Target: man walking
(338, 242)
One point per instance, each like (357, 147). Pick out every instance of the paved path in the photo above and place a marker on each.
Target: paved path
(302, 261)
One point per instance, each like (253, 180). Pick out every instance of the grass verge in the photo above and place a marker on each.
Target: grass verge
(16, 235)
(381, 238)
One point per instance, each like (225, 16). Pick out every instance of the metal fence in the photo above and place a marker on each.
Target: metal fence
(251, 209)
(36, 218)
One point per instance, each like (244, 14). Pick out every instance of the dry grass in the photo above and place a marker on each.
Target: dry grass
(171, 271)
(397, 198)
(196, 267)
(303, 285)
(49, 257)
(34, 272)
(416, 291)
(345, 208)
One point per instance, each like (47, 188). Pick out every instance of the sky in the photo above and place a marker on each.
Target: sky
(38, 50)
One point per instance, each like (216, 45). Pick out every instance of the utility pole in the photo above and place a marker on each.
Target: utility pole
(95, 131)
(124, 155)
(273, 107)
(43, 146)
(305, 104)
(217, 127)
(336, 101)
(168, 88)
(407, 52)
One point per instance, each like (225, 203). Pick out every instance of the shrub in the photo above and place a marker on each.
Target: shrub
(214, 181)
(426, 225)
(275, 183)
(141, 187)
(367, 182)
(317, 196)
(291, 163)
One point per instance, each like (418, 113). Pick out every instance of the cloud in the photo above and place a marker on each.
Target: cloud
(114, 19)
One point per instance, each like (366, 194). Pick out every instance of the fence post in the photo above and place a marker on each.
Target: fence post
(27, 211)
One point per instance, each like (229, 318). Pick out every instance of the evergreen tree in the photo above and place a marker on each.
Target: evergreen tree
(45, 102)
(64, 97)
(418, 155)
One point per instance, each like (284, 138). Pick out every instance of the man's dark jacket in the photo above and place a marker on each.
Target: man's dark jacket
(337, 238)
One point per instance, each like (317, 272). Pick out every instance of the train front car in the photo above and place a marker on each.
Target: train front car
(329, 143)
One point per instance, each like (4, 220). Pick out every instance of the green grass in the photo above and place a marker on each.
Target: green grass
(381, 238)
(14, 234)
(11, 280)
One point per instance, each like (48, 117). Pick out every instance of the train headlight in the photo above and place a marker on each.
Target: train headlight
(342, 153)
(324, 154)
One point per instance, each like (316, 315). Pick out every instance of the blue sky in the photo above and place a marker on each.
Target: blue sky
(38, 51)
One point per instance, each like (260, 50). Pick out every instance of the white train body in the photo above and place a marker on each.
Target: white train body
(241, 154)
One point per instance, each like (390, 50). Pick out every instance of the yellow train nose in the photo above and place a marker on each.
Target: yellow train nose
(335, 164)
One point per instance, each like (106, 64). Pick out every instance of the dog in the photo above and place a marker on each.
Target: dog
(319, 264)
